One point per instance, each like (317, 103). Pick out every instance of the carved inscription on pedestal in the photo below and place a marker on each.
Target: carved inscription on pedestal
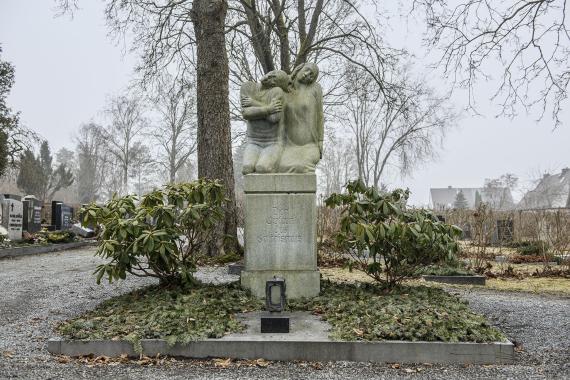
(281, 225)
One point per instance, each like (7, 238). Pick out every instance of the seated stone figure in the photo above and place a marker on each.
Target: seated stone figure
(303, 122)
(262, 107)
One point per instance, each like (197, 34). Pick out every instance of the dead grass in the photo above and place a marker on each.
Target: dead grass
(536, 285)
(344, 275)
(539, 285)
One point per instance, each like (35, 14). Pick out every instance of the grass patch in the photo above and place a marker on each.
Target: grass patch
(413, 313)
(177, 315)
(547, 285)
(537, 285)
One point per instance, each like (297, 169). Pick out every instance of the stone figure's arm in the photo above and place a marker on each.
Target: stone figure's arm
(271, 112)
(280, 100)
(247, 101)
(247, 91)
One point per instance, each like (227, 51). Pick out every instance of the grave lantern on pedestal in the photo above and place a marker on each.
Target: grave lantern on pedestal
(275, 302)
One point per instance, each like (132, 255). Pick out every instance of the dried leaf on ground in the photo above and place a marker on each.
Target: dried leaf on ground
(222, 363)
(262, 362)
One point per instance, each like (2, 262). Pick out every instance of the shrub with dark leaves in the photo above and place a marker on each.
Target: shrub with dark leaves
(159, 235)
(386, 239)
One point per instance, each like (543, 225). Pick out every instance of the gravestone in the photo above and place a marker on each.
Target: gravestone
(284, 115)
(61, 216)
(12, 216)
(32, 214)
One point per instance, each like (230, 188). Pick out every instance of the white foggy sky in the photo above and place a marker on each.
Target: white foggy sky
(65, 70)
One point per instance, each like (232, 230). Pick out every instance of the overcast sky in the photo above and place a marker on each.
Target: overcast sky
(66, 69)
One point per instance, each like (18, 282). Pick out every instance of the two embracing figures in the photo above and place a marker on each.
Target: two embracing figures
(284, 115)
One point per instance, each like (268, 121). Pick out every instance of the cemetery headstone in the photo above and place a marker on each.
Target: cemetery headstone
(32, 214)
(12, 216)
(61, 216)
(284, 115)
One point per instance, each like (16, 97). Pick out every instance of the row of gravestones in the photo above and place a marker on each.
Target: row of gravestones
(19, 214)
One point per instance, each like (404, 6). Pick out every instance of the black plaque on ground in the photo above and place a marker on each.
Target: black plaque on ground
(275, 324)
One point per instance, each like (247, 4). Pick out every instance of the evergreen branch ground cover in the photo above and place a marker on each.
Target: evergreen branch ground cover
(355, 312)
(362, 311)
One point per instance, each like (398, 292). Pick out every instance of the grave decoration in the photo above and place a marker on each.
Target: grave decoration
(12, 216)
(32, 207)
(275, 301)
(284, 115)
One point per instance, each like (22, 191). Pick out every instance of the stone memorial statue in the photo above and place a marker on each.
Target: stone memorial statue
(262, 107)
(284, 117)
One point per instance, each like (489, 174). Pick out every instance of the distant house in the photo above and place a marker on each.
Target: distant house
(552, 191)
(499, 198)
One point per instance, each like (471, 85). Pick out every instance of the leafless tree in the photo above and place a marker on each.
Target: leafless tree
(280, 34)
(529, 38)
(127, 125)
(338, 165)
(143, 168)
(396, 131)
(497, 192)
(93, 162)
(175, 132)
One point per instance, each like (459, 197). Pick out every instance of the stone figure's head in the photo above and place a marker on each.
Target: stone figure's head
(305, 73)
(276, 78)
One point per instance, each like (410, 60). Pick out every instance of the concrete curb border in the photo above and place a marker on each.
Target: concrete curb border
(320, 351)
(33, 250)
(459, 280)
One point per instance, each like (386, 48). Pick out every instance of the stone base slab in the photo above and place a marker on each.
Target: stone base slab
(298, 283)
(319, 351)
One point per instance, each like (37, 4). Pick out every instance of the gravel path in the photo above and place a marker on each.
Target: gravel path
(39, 291)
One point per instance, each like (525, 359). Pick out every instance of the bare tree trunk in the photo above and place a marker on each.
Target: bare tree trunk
(214, 133)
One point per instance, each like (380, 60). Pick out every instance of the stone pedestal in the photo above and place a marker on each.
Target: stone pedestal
(280, 233)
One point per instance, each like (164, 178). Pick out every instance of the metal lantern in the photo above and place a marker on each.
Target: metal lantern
(275, 295)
